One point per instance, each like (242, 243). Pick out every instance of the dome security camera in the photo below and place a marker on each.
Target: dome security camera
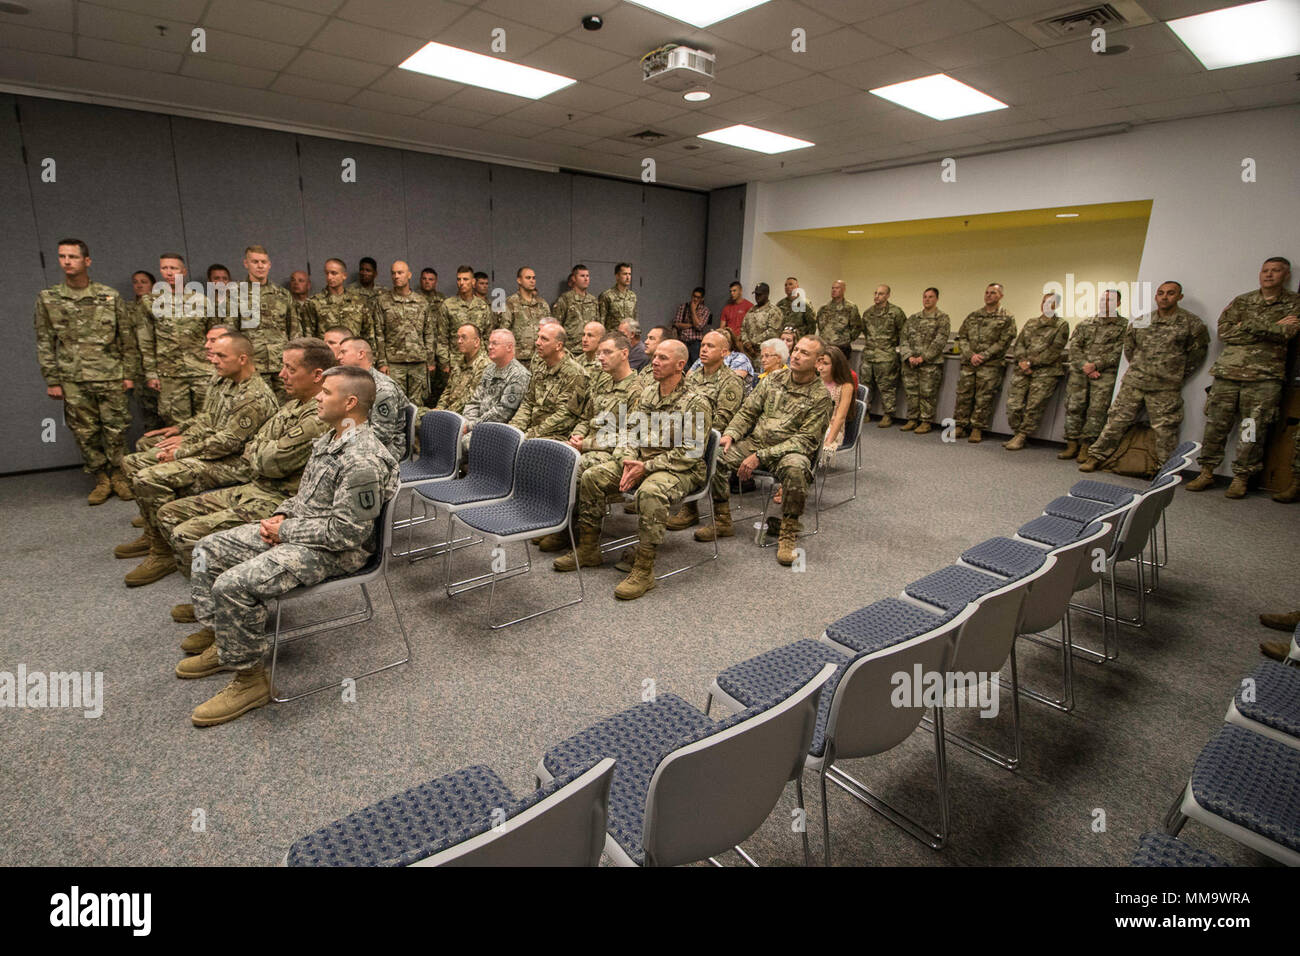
(592, 22)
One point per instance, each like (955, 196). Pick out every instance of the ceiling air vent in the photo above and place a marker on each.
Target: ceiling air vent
(648, 136)
(1073, 23)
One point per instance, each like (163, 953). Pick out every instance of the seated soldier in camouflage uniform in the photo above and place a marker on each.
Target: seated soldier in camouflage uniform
(1037, 354)
(557, 388)
(325, 530)
(1094, 352)
(275, 456)
(779, 428)
(467, 370)
(207, 452)
(503, 386)
(586, 358)
(660, 456)
(388, 412)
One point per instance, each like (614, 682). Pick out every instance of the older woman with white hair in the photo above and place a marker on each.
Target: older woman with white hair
(773, 354)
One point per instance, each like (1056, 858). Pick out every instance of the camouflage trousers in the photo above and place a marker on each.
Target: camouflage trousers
(1027, 400)
(921, 385)
(180, 398)
(1087, 400)
(794, 473)
(147, 398)
(186, 521)
(1257, 405)
(657, 495)
(98, 416)
(977, 393)
(412, 378)
(882, 379)
(235, 575)
(1164, 409)
(156, 483)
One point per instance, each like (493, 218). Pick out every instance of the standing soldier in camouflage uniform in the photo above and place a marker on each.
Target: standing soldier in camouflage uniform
(456, 311)
(525, 313)
(504, 385)
(206, 452)
(274, 323)
(406, 334)
(466, 371)
(274, 457)
(839, 322)
(586, 357)
(367, 273)
(1094, 353)
(1037, 352)
(618, 302)
(779, 428)
(762, 322)
(796, 313)
(299, 294)
(388, 411)
(138, 310)
(325, 530)
(922, 344)
(336, 305)
(172, 344)
(882, 325)
(429, 289)
(556, 392)
(1248, 375)
(89, 358)
(1162, 350)
(663, 470)
(984, 337)
(576, 307)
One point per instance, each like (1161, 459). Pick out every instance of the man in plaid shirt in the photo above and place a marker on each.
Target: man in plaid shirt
(691, 322)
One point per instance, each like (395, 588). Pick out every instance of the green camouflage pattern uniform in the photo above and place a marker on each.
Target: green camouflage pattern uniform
(803, 321)
(723, 390)
(600, 408)
(172, 350)
(1042, 344)
(86, 345)
(988, 334)
(329, 532)
(882, 326)
(275, 457)
(367, 294)
(552, 402)
(1087, 400)
(138, 312)
(349, 309)
(613, 307)
(1162, 352)
(589, 364)
(437, 378)
(838, 323)
(925, 334)
(784, 423)
(407, 340)
(466, 374)
(523, 319)
(672, 448)
(269, 330)
(388, 414)
(453, 313)
(573, 310)
(211, 454)
(1248, 378)
(760, 323)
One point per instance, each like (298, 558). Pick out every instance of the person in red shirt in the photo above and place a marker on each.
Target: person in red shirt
(734, 311)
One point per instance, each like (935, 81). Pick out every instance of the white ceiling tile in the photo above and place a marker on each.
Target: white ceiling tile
(476, 31)
(625, 78)
(187, 11)
(984, 45)
(831, 50)
(631, 31)
(546, 113)
(132, 28)
(343, 38)
(313, 89)
(1155, 89)
(770, 26)
(256, 18)
(423, 19)
(751, 109)
(762, 73)
(1049, 90)
(585, 96)
(644, 112)
(1256, 96)
(1018, 9)
(489, 102)
(336, 69)
(1173, 9)
(1187, 106)
(926, 21)
(249, 51)
(1024, 68)
(442, 115)
(856, 11)
(38, 41)
(313, 6)
(1087, 120)
(572, 58)
(125, 54)
(554, 16)
(1021, 130)
(513, 127)
(53, 15)
(387, 103)
(881, 71)
(416, 86)
(565, 137)
(206, 68)
(1257, 74)
(602, 125)
(810, 89)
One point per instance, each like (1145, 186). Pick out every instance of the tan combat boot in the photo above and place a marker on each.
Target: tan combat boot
(137, 521)
(785, 545)
(1237, 489)
(1281, 622)
(911, 425)
(923, 429)
(133, 549)
(886, 420)
(642, 578)
(199, 641)
(121, 487)
(721, 527)
(1016, 442)
(160, 563)
(250, 689)
(1071, 450)
(1277, 650)
(588, 551)
(557, 541)
(1202, 481)
(102, 491)
(1092, 464)
(205, 663)
(183, 613)
(1291, 492)
(1083, 451)
(976, 436)
(687, 516)
(961, 432)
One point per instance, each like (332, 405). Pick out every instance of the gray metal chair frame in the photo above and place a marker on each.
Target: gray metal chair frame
(860, 414)
(760, 530)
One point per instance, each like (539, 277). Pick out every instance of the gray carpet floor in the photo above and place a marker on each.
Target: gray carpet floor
(128, 787)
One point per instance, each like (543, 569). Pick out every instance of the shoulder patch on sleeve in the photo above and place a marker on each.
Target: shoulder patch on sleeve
(245, 422)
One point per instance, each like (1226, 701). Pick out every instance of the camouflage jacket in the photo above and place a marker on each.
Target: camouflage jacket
(271, 326)
(676, 430)
(783, 417)
(466, 374)
(839, 323)
(137, 311)
(434, 298)
(803, 321)
(349, 309)
(403, 327)
(85, 335)
(1254, 345)
(171, 345)
(523, 319)
(986, 333)
(926, 336)
(277, 453)
(589, 364)
(388, 414)
(1042, 343)
(367, 294)
(761, 323)
(574, 309)
(1163, 350)
(601, 406)
(231, 415)
(882, 326)
(723, 390)
(452, 314)
(613, 307)
(498, 394)
(549, 408)
(1097, 340)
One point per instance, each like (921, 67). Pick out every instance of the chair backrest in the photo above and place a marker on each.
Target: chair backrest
(710, 466)
(1047, 601)
(546, 478)
(409, 428)
(879, 702)
(853, 424)
(987, 639)
(713, 794)
(1180, 459)
(1146, 512)
(863, 393)
(493, 448)
(440, 432)
(562, 828)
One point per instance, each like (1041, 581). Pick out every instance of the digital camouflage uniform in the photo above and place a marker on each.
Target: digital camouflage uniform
(838, 323)
(329, 531)
(499, 394)
(407, 340)
(466, 374)
(269, 330)
(760, 323)
(1087, 400)
(85, 344)
(1042, 344)
(523, 319)
(388, 414)
(573, 310)
(275, 457)
(784, 423)
(988, 334)
(349, 309)
(1162, 352)
(803, 321)
(926, 335)
(1248, 377)
(551, 404)
(138, 312)
(882, 326)
(614, 306)
(172, 350)
(453, 313)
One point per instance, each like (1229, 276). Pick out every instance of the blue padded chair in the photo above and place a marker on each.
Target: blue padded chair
(852, 443)
(470, 818)
(374, 570)
(439, 460)
(1268, 703)
(687, 787)
(884, 622)
(1247, 787)
(541, 502)
(1161, 849)
(862, 394)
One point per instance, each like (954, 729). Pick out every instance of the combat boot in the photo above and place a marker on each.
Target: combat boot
(721, 527)
(198, 642)
(1237, 489)
(976, 436)
(160, 563)
(1016, 442)
(642, 578)
(250, 689)
(102, 491)
(1092, 464)
(137, 521)
(204, 663)
(133, 549)
(911, 425)
(626, 561)
(557, 541)
(688, 515)
(588, 551)
(1071, 450)
(1202, 481)
(961, 432)
(183, 613)
(1281, 622)
(1277, 650)
(1290, 493)
(789, 536)
(1083, 451)
(886, 420)
(121, 487)
(923, 429)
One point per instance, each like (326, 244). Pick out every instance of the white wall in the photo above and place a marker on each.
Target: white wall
(1208, 229)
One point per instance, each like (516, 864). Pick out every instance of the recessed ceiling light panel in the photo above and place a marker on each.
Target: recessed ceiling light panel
(939, 96)
(759, 140)
(488, 72)
(696, 96)
(1250, 33)
(699, 13)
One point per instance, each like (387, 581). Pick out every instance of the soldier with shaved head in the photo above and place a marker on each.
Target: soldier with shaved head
(407, 340)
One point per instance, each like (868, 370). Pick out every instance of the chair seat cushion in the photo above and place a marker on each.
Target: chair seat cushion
(1004, 556)
(512, 516)
(1077, 509)
(953, 587)
(1251, 781)
(1276, 697)
(885, 623)
(462, 492)
(1161, 849)
(422, 469)
(1102, 491)
(1051, 530)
